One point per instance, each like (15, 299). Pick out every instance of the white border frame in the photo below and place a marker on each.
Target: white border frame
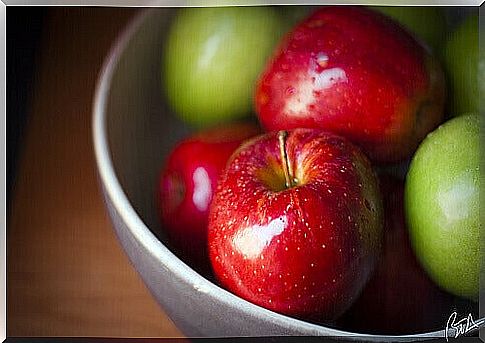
(157, 3)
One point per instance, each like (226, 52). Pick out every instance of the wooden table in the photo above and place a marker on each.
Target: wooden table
(67, 274)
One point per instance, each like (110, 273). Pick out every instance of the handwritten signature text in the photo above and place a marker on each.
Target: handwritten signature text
(461, 327)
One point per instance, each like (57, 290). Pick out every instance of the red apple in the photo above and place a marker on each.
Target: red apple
(400, 298)
(188, 181)
(295, 224)
(356, 73)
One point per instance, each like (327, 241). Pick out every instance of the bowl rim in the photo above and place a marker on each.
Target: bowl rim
(145, 237)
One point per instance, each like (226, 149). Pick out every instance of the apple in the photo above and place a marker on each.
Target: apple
(465, 68)
(187, 183)
(428, 23)
(354, 72)
(442, 205)
(295, 224)
(212, 59)
(400, 298)
(293, 14)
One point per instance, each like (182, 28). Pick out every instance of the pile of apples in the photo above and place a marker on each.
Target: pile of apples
(300, 214)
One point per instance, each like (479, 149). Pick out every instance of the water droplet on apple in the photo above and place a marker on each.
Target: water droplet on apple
(322, 59)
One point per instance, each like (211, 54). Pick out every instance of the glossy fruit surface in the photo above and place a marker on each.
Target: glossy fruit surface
(428, 23)
(400, 298)
(212, 59)
(303, 244)
(187, 183)
(465, 69)
(354, 72)
(293, 14)
(442, 205)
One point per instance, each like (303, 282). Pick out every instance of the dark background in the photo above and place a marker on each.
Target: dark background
(66, 272)
(24, 31)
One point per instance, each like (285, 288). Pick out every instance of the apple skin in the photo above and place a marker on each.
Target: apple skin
(428, 23)
(399, 298)
(187, 183)
(465, 68)
(212, 59)
(307, 250)
(293, 14)
(357, 73)
(442, 204)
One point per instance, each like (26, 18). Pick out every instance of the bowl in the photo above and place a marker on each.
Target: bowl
(134, 131)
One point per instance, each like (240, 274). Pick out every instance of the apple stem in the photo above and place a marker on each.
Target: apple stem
(284, 158)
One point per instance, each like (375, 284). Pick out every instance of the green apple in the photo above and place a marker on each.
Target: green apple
(293, 14)
(442, 205)
(466, 71)
(212, 59)
(427, 23)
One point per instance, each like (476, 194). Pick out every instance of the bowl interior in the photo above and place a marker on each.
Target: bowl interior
(142, 130)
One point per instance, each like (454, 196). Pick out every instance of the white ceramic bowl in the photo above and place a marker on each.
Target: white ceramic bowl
(133, 132)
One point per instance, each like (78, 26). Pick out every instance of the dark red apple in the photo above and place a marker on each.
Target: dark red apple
(295, 224)
(188, 181)
(357, 73)
(400, 298)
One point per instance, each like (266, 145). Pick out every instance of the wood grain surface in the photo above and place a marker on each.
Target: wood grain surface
(66, 272)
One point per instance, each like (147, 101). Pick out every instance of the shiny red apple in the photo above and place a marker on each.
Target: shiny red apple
(187, 183)
(295, 224)
(400, 298)
(357, 73)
